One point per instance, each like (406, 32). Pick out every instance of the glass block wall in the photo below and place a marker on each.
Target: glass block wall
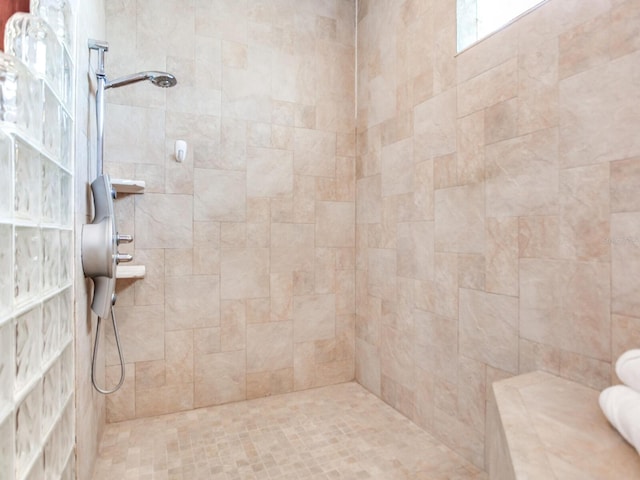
(36, 244)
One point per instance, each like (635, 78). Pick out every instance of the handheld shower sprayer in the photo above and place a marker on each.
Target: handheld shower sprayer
(100, 239)
(159, 79)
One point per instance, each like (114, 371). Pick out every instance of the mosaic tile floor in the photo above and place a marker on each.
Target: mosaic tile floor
(337, 432)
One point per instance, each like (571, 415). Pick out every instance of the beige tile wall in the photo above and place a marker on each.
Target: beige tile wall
(249, 244)
(498, 223)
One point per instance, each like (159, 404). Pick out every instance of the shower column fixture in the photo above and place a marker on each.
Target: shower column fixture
(100, 238)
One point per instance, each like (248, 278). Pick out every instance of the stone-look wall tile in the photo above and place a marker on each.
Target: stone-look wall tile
(471, 271)
(179, 353)
(416, 253)
(459, 214)
(397, 171)
(608, 91)
(134, 134)
(314, 317)
(436, 339)
(472, 389)
(538, 102)
(152, 290)
(163, 221)
(501, 121)
(625, 260)
(489, 329)
(269, 172)
(121, 405)
(625, 182)
(263, 384)
(314, 152)
(624, 37)
(397, 355)
(436, 138)
(539, 237)
(539, 356)
(470, 148)
(445, 172)
(335, 224)
(244, 273)
(219, 378)
(219, 195)
(522, 175)
(584, 222)
(179, 261)
(584, 46)
(233, 324)
(445, 285)
(491, 87)
(586, 370)
(502, 256)
(269, 346)
(192, 302)
(566, 305)
(145, 338)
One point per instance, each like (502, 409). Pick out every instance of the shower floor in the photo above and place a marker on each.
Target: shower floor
(336, 432)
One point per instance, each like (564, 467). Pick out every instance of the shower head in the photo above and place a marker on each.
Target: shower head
(159, 79)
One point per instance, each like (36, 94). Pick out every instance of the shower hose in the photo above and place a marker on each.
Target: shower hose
(95, 354)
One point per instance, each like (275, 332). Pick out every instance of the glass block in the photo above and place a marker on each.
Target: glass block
(67, 83)
(68, 430)
(50, 191)
(66, 373)
(50, 258)
(37, 471)
(65, 321)
(52, 129)
(28, 183)
(31, 39)
(21, 97)
(53, 454)
(27, 276)
(28, 418)
(69, 472)
(50, 398)
(6, 176)
(28, 346)
(66, 198)
(6, 261)
(7, 368)
(66, 257)
(50, 328)
(58, 14)
(66, 139)
(7, 444)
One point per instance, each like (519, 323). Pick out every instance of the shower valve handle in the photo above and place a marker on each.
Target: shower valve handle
(121, 238)
(123, 257)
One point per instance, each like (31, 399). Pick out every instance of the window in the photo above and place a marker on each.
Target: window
(478, 19)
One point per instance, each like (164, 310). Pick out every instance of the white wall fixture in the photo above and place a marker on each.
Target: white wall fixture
(181, 150)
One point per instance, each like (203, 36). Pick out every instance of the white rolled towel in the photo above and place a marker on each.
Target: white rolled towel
(628, 368)
(621, 406)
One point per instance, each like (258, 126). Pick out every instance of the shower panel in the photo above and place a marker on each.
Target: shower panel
(100, 239)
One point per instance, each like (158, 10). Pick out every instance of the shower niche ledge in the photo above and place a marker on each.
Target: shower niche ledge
(124, 185)
(130, 271)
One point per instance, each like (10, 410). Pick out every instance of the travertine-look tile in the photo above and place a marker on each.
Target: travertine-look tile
(219, 195)
(269, 346)
(244, 273)
(313, 317)
(459, 213)
(284, 436)
(567, 305)
(489, 328)
(163, 221)
(192, 301)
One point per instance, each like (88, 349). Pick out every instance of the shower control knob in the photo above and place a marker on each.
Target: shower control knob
(121, 238)
(123, 257)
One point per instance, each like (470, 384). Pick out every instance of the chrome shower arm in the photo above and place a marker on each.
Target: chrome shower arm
(101, 48)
